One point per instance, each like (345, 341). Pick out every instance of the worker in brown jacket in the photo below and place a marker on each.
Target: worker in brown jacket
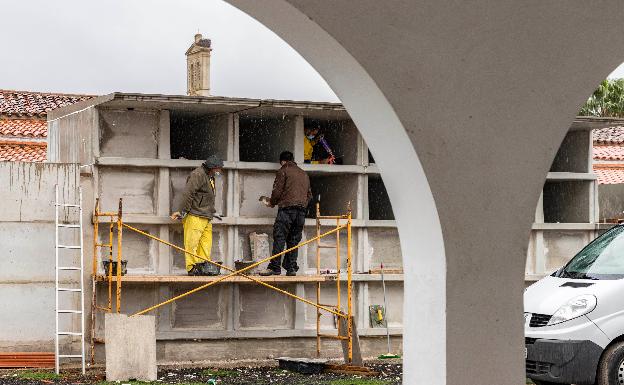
(291, 193)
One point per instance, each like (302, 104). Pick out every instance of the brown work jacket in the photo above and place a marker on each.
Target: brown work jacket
(199, 195)
(291, 187)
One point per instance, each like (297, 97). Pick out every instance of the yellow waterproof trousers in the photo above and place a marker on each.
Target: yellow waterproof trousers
(197, 239)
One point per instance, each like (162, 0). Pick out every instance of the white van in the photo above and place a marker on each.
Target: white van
(574, 318)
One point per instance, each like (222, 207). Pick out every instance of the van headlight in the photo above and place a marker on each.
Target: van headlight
(575, 307)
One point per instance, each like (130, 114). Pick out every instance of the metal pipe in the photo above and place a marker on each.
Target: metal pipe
(349, 289)
(239, 273)
(119, 235)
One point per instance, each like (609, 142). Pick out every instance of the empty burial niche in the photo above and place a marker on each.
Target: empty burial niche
(263, 138)
(334, 193)
(379, 207)
(197, 136)
(341, 137)
(566, 201)
(573, 154)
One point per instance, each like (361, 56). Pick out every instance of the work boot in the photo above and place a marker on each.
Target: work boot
(210, 269)
(268, 272)
(195, 270)
(291, 273)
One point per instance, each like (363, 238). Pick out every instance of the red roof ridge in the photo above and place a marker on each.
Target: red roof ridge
(42, 143)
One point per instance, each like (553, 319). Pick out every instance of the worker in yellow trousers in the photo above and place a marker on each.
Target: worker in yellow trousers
(197, 238)
(197, 211)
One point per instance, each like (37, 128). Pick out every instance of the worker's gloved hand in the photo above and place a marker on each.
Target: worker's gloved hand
(176, 216)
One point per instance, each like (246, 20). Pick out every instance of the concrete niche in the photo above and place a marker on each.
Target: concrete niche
(379, 207)
(197, 136)
(566, 202)
(263, 138)
(334, 192)
(341, 135)
(129, 134)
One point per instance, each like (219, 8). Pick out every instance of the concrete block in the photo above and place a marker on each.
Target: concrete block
(262, 308)
(137, 188)
(206, 309)
(252, 185)
(130, 347)
(260, 246)
(384, 246)
(561, 246)
(129, 133)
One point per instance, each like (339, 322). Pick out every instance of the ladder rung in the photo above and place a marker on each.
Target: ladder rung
(326, 246)
(70, 226)
(68, 247)
(67, 205)
(68, 289)
(69, 268)
(69, 311)
(69, 333)
(70, 355)
(103, 245)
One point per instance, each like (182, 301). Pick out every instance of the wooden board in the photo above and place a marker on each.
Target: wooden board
(357, 355)
(27, 360)
(206, 279)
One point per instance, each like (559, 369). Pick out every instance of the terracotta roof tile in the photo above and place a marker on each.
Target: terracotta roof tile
(34, 104)
(31, 128)
(23, 151)
(609, 173)
(608, 152)
(609, 135)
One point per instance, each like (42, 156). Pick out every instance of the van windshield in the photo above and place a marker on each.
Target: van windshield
(603, 258)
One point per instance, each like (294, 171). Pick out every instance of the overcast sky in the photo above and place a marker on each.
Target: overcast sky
(97, 47)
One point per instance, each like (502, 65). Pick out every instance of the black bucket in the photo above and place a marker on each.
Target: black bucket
(212, 269)
(302, 365)
(124, 267)
(239, 265)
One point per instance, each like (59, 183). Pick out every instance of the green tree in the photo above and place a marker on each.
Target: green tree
(606, 101)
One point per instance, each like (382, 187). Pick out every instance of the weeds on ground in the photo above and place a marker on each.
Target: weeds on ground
(357, 381)
(31, 375)
(219, 373)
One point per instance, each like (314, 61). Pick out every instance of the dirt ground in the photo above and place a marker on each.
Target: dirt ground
(389, 374)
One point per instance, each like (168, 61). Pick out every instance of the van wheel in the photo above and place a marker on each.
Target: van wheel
(611, 366)
(536, 382)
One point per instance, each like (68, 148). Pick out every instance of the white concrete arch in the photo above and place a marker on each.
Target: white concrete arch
(421, 236)
(484, 91)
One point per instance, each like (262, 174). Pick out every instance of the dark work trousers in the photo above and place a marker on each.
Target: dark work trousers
(287, 232)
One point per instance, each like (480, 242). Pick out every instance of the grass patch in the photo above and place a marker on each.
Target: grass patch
(219, 373)
(125, 382)
(31, 375)
(358, 381)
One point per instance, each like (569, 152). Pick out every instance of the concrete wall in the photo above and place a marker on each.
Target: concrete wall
(27, 303)
(74, 139)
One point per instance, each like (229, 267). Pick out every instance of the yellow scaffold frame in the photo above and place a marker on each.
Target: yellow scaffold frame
(336, 310)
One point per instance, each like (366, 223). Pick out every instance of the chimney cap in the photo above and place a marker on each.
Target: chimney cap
(198, 37)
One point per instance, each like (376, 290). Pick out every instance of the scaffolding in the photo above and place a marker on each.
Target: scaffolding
(345, 325)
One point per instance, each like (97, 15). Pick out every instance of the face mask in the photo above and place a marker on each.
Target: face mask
(217, 173)
(310, 136)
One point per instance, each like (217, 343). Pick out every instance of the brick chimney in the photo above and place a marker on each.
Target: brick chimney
(198, 67)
